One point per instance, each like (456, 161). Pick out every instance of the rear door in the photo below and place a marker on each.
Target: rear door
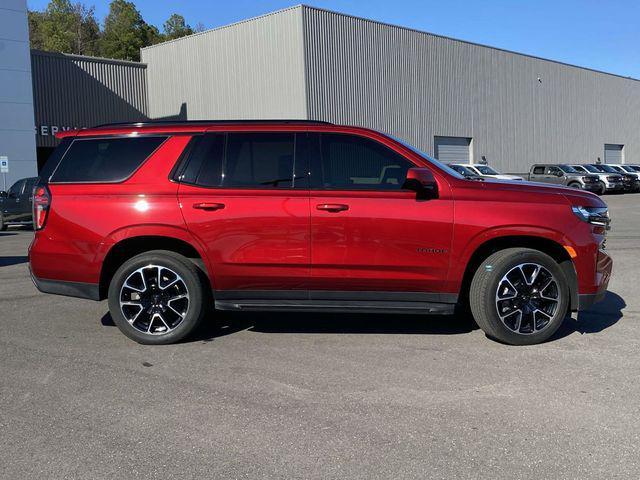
(245, 197)
(368, 234)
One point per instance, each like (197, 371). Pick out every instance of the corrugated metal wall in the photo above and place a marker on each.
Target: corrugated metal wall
(77, 91)
(252, 69)
(518, 109)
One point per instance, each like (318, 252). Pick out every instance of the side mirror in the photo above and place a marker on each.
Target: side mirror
(3, 194)
(421, 181)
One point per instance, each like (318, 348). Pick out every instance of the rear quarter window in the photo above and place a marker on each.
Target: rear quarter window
(96, 160)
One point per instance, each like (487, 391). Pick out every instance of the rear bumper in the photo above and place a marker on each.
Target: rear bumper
(90, 291)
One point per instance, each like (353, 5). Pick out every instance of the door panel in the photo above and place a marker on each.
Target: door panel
(382, 242)
(258, 240)
(11, 204)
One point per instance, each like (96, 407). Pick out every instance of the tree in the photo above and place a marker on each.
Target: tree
(176, 27)
(65, 27)
(125, 32)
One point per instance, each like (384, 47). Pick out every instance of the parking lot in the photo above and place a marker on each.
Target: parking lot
(318, 396)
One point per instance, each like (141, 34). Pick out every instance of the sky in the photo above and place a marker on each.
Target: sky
(599, 34)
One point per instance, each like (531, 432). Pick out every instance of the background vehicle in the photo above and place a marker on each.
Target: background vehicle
(610, 182)
(465, 172)
(487, 171)
(15, 204)
(629, 180)
(564, 175)
(166, 220)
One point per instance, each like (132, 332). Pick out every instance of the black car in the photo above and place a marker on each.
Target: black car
(15, 204)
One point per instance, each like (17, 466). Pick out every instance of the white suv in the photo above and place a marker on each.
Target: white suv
(487, 171)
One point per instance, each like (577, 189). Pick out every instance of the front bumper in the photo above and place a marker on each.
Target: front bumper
(616, 187)
(604, 266)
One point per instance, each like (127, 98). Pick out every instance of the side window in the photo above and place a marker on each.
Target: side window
(554, 171)
(349, 162)
(539, 170)
(28, 186)
(262, 160)
(16, 188)
(104, 159)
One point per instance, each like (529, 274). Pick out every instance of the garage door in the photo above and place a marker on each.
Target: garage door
(613, 153)
(452, 149)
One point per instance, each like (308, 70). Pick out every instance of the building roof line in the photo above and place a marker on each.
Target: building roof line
(468, 42)
(73, 56)
(222, 27)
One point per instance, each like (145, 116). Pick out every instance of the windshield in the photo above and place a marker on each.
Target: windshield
(568, 169)
(629, 168)
(463, 170)
(591, 168)
(606, 168)
(486, 170)
(430, 159)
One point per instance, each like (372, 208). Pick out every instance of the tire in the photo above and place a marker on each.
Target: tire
(3, 226)
(575, 185)
(170, 309)
(489, 289)
(603, 188)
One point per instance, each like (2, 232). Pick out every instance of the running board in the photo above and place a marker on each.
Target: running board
(354, 306)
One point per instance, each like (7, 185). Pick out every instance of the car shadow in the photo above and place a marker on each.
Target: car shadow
(221, 323)
(7, 261)
(601, 316)
(7, 234)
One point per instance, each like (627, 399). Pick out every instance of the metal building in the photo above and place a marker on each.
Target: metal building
(453, 99)
(73, 91)
(17, 142)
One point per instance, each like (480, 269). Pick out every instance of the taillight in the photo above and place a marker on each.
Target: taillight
(41, 203)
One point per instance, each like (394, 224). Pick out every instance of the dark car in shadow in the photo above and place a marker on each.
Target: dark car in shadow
(16, 203)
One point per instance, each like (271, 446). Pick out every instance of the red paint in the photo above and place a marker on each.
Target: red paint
(301, 239)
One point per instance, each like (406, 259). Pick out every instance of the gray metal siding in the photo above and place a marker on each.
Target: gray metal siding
(613, 154)
(77, 91)
(452, 149)
(252, 69)
(518, 109)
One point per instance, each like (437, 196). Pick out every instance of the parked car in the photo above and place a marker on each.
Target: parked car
(465, 172)
(609, 182)
(563, 174)
(168, 219)
(629, 180)
(15, 204)
(487, 171)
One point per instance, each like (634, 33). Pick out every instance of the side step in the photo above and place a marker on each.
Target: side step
(353, 306)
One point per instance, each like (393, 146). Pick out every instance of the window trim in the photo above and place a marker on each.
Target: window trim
(108, 137)
(315, 188)
(296, 148)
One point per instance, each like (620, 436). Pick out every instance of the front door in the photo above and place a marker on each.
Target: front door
(11, 204)
(245, 197)
(368, 234)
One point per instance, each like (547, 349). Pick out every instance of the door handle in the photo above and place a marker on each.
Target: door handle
(208, 206)
(332, 207)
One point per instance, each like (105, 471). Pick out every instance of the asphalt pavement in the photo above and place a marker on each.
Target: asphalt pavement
(319, 396)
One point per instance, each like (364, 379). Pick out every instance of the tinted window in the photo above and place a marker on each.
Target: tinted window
(247, 160)
(16, 188)
(104, 159)
(350, 162)
(568, 169)
(554, 171)
(538, 170)
(28, 187)
(485, 170)
(54, 159)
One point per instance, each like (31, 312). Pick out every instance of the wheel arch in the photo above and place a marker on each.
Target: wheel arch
(545, 245)
(128, 247)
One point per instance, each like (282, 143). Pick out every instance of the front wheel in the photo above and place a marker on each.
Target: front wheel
(519, 296)
(157, 297)
(602, 188)
(3, 225)
(575, 185)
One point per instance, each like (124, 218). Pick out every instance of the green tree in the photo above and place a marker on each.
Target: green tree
(65, 27)
(125, 32)
(176, 27)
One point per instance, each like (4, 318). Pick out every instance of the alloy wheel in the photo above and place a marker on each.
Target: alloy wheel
(527, 298)
(154, 299)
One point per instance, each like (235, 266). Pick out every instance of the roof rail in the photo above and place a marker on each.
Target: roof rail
(208, 122)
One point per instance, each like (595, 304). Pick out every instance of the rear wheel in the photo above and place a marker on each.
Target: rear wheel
(157, 298)
(519, 296)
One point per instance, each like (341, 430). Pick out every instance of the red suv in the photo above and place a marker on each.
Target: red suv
(169, 219)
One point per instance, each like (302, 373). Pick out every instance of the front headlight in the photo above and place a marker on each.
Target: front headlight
(594, 215)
